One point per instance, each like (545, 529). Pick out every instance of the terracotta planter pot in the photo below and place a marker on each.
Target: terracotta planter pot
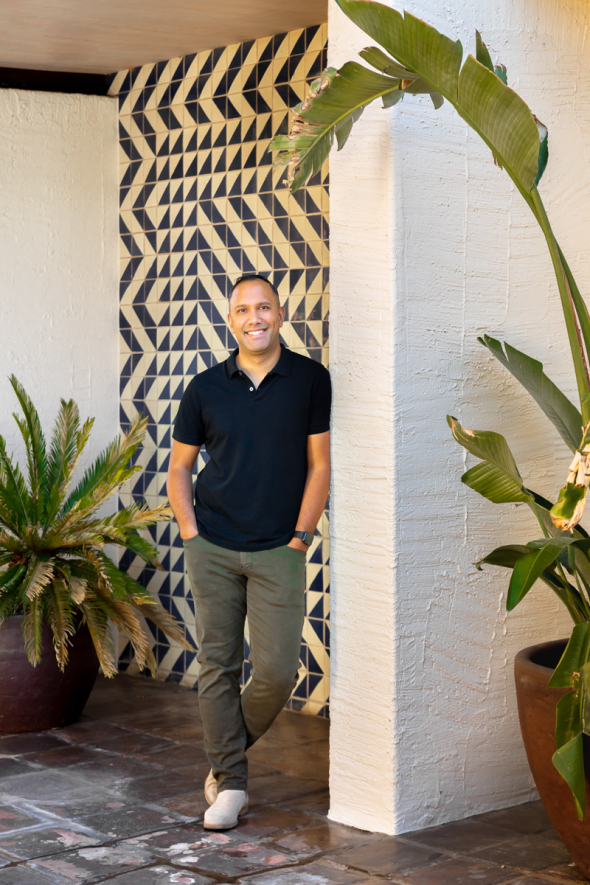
(536, 710)
(41, 697)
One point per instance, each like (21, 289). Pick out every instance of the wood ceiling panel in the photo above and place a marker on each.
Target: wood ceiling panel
(107, 36)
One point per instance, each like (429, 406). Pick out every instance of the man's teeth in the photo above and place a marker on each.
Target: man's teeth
(256, 332)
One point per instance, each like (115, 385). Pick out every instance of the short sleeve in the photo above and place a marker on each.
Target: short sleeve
(188, 426)
(321, 403)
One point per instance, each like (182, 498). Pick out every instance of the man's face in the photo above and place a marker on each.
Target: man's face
(255, 317)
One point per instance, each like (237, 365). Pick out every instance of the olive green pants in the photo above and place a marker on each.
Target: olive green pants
(269, 587)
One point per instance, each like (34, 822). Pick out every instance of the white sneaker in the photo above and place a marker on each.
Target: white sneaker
(225, 811)
(210, 788)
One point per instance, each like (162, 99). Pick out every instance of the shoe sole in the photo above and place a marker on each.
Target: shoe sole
(226, 826)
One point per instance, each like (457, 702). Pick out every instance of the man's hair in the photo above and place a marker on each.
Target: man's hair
(245, 278)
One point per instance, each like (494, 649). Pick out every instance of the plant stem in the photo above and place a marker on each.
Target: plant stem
(569, 309)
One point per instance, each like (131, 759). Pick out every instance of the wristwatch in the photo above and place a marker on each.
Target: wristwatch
(306, 537)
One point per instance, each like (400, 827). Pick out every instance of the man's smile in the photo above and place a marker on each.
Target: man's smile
(255, 333)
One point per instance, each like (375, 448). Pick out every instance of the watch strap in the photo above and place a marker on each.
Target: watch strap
(306, 537)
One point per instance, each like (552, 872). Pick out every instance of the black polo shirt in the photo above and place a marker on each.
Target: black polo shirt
(248, 495)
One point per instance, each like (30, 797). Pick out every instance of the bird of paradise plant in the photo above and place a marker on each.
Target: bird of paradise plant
(414, 58)
(53, 566)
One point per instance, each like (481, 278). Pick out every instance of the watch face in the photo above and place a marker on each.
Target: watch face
(307, 539)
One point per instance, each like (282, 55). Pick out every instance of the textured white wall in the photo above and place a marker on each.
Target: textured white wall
(58, 257)
(431, 247)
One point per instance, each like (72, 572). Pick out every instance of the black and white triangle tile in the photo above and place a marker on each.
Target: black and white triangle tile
(200, 204)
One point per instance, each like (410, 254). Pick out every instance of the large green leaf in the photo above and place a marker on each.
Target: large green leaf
(565, 417)
(478, 93)
(508, 555)
(569, 761)
(530, 567)
(495, 484)
(568, 718)
(487, 445)
(331, 113)
(576, 654)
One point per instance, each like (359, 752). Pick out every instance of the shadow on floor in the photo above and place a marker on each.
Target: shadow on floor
(118, 798)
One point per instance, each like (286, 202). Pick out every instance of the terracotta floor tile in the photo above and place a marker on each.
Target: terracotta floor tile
(265, 820)
(129, 820)
(460, 871)
(20, 744)
(10, 765)
(462, 836)
(319, 873)
(190, 805)
(316, 804)
(533, 852)
(283, 787)
(387, 857)
(162, 875)
(66, 754)
(29, 844)
(92, 864)
(530, 817)
(13, 818)
(327, 836)
(24, 875)
(166, 785)
(132, 770)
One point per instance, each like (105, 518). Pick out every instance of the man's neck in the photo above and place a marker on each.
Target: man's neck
(258, 365)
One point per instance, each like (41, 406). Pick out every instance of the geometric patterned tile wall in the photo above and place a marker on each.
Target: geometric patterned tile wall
(199, 205)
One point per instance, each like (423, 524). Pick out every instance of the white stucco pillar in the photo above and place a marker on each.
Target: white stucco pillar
(431, 247)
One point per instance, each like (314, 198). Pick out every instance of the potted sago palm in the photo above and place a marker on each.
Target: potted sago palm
(59, 590)
(553, 681)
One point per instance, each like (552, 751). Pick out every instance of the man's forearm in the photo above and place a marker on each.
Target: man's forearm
(314, 499)
(180, 494)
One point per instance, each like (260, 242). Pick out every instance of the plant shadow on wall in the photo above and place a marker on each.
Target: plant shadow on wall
(420, 60)
(53, 567)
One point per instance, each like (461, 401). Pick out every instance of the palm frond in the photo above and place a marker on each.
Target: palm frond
(63, 455)
(32, 626)
(154, 612)
(34, 438)
(38, 577)
(96, 617)
(58, 607)
(108, 470)
(15, 491)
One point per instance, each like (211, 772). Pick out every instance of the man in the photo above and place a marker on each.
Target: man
(263, 415)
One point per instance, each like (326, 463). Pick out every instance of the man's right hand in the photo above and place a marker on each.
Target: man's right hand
(193, 534)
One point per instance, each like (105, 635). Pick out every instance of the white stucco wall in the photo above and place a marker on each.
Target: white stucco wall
(59, 258)
(431, 247)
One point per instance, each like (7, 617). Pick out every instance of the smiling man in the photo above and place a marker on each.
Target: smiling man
(263, 416)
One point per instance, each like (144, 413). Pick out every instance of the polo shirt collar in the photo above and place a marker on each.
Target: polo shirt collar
(283, 367)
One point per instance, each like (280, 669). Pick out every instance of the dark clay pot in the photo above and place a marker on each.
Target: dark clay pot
(41, 697)
(536, 710)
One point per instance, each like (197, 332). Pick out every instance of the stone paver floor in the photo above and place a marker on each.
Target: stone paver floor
(118, 798)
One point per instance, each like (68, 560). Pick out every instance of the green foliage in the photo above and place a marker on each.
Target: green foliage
(52, 562)
(414, 58)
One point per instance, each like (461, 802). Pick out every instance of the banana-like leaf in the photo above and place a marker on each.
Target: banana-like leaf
(576, 654)
(488, 446)
(530, 567)
(478, 93)
(495, 484)
(508, 555)
(585, 697)
(338, 100)
(569, 761)
(564, 416)
(481, 53)
(570, 506)
(568, 718)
